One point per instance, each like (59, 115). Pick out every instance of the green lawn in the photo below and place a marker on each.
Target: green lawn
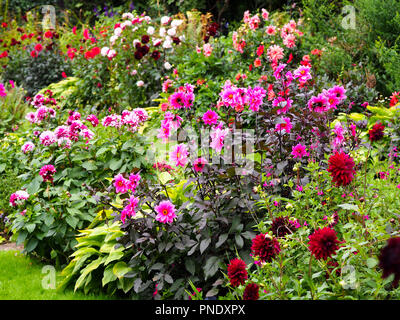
(21, 279)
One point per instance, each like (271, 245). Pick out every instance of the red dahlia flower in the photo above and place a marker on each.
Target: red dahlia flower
(376, 133)
(251, 292)
(237, 272)
(323, 243)
(341, 168)
(389, 260)
(265, 248)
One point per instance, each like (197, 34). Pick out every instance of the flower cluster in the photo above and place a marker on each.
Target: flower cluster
(18, 198)
(131, 120)
(239, 98)
(182, 98)
(47, 172)
(328, 99)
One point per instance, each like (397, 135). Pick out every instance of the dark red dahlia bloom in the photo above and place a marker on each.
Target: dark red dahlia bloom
(281, 226)
(144, 50)
(138, 55)
(323, 243)
(145, 38)
(237, 272)
(176, 40)
(341, 168)
(265, 248)
(389, 260)
(155, 55)
(251, 292)
(376, 133)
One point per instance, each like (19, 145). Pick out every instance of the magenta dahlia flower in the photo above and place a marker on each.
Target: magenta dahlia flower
(129, 210)
(210, 117)
(299, 151)
(165, 212)
(47, 172)
(199, 164)
(121, 184)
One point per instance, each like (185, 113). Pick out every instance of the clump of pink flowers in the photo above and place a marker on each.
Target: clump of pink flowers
(47, 172)
(18, 198)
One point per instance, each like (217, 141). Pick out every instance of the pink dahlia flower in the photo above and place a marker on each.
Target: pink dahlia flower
(165, 212)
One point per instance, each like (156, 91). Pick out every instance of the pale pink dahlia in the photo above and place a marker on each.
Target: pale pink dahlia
(179, 155)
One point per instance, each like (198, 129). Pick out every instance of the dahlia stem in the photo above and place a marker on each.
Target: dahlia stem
(365, 170)
(309, 274)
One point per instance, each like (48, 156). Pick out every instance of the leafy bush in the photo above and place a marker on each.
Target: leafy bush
(97, 263)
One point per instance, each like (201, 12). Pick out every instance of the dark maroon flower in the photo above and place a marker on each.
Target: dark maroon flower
(145, 39)
(323, 243)
(251, 292)
(376, 133)
(282, 226)
(138, 45)
(265, 248)
(176, 40)
(389, 260)
(138, 55)
(341, 168)
(206, 39)
(237, 272)
(155, 55)
(144, 50)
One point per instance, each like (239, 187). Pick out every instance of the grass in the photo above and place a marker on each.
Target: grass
(21, 279)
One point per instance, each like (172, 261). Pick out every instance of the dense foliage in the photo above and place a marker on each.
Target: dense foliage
(177, 159)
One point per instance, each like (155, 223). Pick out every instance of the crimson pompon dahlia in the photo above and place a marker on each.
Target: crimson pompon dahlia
(389, 260)
(251, 292)
(237, 272)
(376, 133)
(341, 168)
(323, 243)
(265, 248)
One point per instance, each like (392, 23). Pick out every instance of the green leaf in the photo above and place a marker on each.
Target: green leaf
(101, 151)
(89, 165)
(190, 266)
(31, 245)
(239, 240)
(120, 268)
(30, 227)
(108, 275)
(211, 266)
(222, 238)
(371, 262)
(72, 221)
(204, 245)
(164, 177)
(349, 206)
(115, 164)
